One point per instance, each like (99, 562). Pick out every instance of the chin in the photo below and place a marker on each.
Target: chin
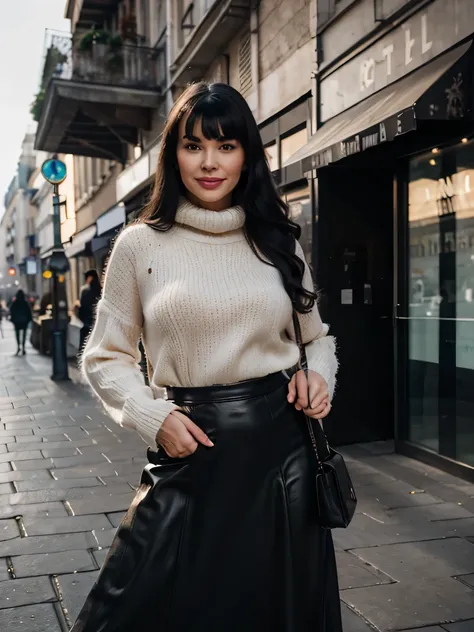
(211, 197)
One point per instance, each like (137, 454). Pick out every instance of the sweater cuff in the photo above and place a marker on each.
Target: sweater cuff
(321, 354)
(146, 414)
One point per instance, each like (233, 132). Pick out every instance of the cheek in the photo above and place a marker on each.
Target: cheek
(236, 165)
(185, 165)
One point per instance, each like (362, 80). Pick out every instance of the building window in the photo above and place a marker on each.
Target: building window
(385, 9)
(441, 302)
(327, 9)
(290, 144)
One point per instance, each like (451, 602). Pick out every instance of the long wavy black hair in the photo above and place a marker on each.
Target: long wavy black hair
(223, 112)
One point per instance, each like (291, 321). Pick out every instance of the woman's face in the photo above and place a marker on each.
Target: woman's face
(210, 169)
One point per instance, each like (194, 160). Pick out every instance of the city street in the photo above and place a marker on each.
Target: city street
(67, 474)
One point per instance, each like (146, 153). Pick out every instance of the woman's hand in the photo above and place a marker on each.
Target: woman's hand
(179, 436)
(319, 405)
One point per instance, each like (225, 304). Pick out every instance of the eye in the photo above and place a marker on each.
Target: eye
(192, 146)
(228, 147)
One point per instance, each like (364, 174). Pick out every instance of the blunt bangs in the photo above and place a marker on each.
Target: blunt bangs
(220, 118)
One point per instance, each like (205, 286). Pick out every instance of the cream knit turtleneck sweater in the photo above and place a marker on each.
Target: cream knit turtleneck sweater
(208, 311)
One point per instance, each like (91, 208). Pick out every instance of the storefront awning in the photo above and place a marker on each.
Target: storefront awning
(80, 241)
(113, 218)
(434, 92)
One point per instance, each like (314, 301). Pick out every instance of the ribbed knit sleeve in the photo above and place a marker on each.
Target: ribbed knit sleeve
(110, 361)
(320, 348)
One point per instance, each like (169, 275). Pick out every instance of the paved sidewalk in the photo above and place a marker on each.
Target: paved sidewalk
(67, 475)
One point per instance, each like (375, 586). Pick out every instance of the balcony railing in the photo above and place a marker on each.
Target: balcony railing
(96, 93)
(119, 64)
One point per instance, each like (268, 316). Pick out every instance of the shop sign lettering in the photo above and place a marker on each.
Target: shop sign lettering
(422, 37)
(419, 40)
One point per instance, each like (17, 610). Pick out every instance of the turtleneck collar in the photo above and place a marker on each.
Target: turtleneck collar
(210, 222)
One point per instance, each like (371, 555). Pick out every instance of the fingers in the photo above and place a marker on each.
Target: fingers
(174, 437)
(298, 390)
(196, 432)
(321, 411)
(180, 436)
(321, 397)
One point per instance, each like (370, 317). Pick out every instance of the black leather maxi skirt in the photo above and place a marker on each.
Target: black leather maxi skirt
(226, 540)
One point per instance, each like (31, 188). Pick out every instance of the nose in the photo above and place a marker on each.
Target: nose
(209, 160)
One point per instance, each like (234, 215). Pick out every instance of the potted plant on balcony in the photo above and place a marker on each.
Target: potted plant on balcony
(91, 50)
(94, 37)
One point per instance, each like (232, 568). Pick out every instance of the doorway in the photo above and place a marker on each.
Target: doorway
(355, 273)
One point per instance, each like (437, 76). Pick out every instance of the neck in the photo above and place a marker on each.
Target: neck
(208, 221)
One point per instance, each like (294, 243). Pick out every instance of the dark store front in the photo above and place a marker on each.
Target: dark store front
(393, 178)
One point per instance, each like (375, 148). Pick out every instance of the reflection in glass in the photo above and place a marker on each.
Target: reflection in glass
(291, 144)
(271, 152)
(441, 301)
(299, 202)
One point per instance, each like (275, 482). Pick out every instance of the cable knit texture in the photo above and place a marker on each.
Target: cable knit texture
(207, 309)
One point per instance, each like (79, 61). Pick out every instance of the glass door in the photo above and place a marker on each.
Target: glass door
(439, 302)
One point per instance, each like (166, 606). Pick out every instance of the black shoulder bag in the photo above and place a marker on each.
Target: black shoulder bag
(335, 493)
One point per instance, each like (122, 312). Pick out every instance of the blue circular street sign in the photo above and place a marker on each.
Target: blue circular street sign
(54, 170)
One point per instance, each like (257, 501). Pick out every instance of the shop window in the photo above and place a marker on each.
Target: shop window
(290, 144)
(271, 152)
(299, 202)
(441, 302)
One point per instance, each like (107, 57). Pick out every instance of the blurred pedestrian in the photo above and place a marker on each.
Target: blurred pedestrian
(21, 317)
(223, 534)
(89, 297)
(45, 302)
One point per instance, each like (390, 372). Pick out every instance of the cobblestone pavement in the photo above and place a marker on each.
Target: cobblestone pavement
(67, 474)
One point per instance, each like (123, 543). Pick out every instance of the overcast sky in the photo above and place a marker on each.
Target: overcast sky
(22, 30)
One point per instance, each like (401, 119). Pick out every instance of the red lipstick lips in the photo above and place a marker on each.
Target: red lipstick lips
(210, 183)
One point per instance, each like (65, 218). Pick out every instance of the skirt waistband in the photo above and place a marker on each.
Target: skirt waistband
(257, 387)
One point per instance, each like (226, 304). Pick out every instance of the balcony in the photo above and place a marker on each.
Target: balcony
(205, 30)
(89, 12)
(94, 100)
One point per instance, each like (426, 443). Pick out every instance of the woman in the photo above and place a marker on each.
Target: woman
(21, 317)
(208, 278)
(88, 302)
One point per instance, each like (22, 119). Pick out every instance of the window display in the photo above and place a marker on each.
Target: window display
(441, 301)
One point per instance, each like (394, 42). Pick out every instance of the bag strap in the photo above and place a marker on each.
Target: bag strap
(318, 438)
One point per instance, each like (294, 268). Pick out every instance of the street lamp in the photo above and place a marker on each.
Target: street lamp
(55, 172)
